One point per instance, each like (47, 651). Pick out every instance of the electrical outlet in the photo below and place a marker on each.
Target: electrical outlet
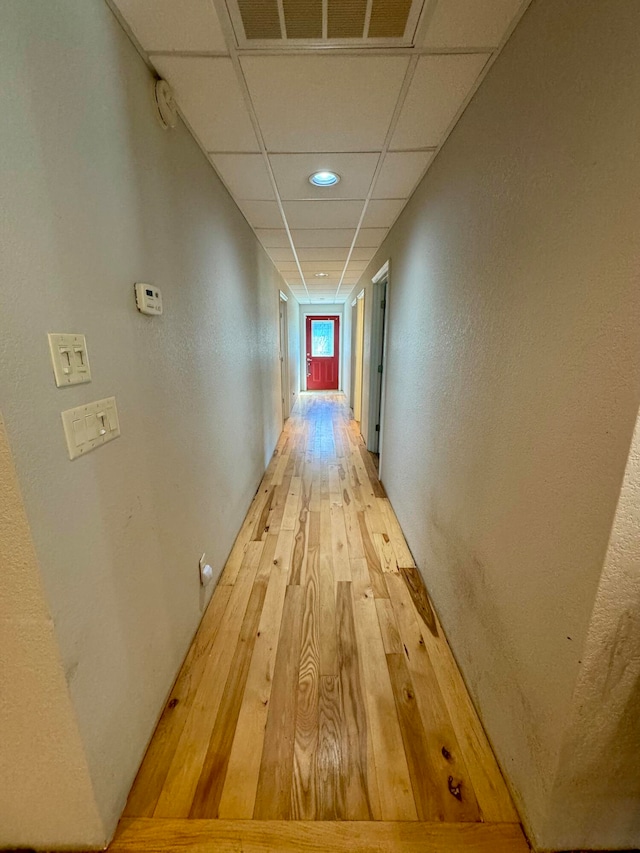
(206, 572)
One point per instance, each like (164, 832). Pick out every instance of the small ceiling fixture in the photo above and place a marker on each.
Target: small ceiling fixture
(324, 179)
(165, 102)
(321, 275)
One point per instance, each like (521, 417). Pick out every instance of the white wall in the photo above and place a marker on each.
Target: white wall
(513, 378)
(604, 728)
(97, 196)
(323, 309)
(345, 323)
(293, 320)
(39, 730)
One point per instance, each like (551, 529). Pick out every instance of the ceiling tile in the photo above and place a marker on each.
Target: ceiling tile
(273, 238)
(360, 253)
(322, 283)
(324, 103)
(323, 214)
(371, 237)
(328, 237)
(207, 88)
(292, 173)
(261, 214)
(174, 24)
(382, 213)
(438, 90)
(322, 266)
(335, 254)
(287, 266)
(246, 175)
(400, 173)
(280, 254)
(459, 23)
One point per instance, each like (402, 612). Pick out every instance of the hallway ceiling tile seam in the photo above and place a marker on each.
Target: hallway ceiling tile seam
(408, 77)
(406, 83)
(380, 225)
(491, 58)
(231, 44)
(333, 51)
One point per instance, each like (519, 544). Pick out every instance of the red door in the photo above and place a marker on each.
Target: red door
(323, 358)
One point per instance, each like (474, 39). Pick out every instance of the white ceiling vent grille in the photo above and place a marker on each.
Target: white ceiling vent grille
(295, 24)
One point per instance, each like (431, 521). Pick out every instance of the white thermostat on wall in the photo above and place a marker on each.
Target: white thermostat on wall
(148, 298)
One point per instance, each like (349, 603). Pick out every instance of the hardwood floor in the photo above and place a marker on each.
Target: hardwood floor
(320, 686)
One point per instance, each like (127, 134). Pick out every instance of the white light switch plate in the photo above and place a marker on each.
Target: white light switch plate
(70, 359)
(90, 426)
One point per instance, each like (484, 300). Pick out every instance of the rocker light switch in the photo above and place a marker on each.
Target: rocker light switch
(70, 359)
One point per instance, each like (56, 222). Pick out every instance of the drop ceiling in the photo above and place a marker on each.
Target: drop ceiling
(274, 90)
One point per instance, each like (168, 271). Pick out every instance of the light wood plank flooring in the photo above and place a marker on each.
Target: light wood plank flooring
(320, 686)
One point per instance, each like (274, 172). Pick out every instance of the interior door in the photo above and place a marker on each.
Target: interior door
(323, 356)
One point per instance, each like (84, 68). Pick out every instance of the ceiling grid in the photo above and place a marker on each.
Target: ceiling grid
(276, 90)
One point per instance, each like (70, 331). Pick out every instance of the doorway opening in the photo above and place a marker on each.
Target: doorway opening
(284, 355)
(357, 359)
(323, 352)
(379, 323)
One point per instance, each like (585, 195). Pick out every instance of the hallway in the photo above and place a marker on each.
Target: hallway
(319, 686)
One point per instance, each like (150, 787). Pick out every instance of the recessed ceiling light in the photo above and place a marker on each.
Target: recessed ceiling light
(324, 179)
(321, 275)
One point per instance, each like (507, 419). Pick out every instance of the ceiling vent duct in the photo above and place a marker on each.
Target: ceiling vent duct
(295, 24)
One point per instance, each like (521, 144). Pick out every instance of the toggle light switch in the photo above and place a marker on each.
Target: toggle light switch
(65, 360)
(80, 359)
(70, 359)
(102, 423)
(90, 426)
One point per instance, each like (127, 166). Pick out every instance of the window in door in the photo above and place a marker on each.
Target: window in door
(322, 335)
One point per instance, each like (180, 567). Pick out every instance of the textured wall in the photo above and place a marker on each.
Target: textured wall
(293, 319)
(329, 308)
(97, 196)
(603, 738)
(44, 779)
(514, 374)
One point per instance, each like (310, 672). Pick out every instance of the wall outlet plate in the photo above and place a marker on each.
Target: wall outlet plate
(70, 359)
(90, 426)
(206, 572)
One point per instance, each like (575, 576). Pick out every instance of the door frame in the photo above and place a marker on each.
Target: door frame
(330, 311)
(357, 354)
(378, 357)
(283, 340)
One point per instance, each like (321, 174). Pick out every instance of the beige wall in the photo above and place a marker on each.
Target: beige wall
(44, 779)
(513, 377)
(293, 320)
(97, 196)
(328, 308)
(597, 790)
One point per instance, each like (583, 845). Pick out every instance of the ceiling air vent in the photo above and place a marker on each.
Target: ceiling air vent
(294, 24)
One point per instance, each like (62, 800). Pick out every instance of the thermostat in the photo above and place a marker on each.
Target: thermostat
(148, 298)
